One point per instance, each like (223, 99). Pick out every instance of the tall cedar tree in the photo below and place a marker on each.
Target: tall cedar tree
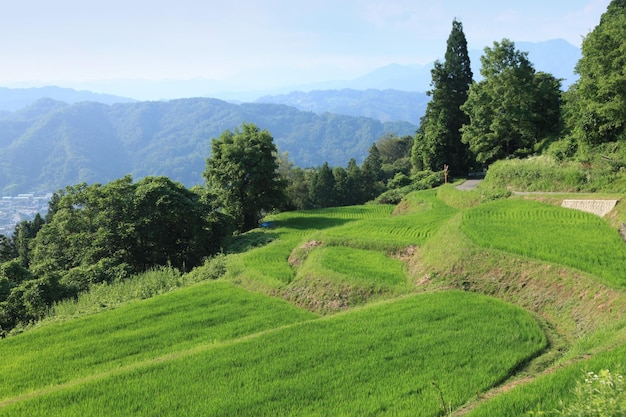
(512, 109)
(242, 175)
(439, 140)
(598, 107)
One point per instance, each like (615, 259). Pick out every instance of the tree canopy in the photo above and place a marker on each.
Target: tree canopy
(599, 97)
(512, 109)
(242, 175)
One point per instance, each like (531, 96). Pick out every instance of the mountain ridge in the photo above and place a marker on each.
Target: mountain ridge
(52, 144)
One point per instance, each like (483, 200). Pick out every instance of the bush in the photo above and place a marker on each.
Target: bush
(542, 173)
(599, 395)
(423, 180)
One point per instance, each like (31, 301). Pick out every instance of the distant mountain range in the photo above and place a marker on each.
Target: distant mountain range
(12, 99)
(52, 144)
(557, 57)
(384, 105)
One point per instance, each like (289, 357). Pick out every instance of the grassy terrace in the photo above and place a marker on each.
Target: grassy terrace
(384, 357)
(365, 310)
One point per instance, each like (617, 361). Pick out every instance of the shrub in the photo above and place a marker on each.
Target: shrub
(599, 395)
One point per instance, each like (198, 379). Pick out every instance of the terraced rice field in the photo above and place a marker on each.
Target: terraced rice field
(554, 234)
(381, 359)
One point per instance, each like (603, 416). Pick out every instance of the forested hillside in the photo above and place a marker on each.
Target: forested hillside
(51, 144)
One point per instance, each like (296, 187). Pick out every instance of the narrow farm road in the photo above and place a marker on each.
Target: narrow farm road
(468, 185)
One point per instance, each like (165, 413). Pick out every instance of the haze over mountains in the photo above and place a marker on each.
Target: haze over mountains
(74, 136)
(557, 57)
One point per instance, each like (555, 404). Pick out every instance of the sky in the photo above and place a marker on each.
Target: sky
(254, 43)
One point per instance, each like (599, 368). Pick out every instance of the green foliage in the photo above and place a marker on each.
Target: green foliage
(598, 107)
(536, 174)
(395, 153)
(103, 233)
(422, 180)
(512, 109)
(365, 362)
(148, 284)
(323, 190)
(152, 222)
(600, 395)
(601, 173)
(554, 234)
(439, 139)
(372, 174)
(241, 175)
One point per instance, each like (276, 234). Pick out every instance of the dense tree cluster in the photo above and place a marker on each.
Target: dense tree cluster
(387, 166)
(597, 105)
(103, 233)
(514, 111)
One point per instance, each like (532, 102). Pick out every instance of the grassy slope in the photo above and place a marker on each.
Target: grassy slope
(175, 323)
(319, 260)
(585, 314)
(381, 358)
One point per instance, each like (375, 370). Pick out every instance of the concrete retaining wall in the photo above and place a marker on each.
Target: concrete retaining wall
(597, 207)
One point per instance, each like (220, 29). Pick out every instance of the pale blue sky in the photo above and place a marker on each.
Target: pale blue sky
(259, 41)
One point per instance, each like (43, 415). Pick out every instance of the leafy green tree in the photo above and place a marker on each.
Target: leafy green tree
(7, 249)
(395, 153)
(512, 109)
(439, 139)
(171, 225)
(341, 186)
(24, 232)
(103, 232)
(599, 103)
(242, 175)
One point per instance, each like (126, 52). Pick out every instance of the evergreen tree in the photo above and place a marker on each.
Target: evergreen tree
(355, 187)
(372, 171)
(323, 188)
(599, 103)
(439, 140)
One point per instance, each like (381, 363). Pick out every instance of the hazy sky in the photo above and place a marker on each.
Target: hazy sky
(281, 41)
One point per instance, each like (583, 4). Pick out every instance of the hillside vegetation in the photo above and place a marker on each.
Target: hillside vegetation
(51, 144)
(401, 309)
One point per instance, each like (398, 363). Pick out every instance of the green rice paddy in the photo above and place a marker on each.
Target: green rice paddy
(381, 359)
(554, 234)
